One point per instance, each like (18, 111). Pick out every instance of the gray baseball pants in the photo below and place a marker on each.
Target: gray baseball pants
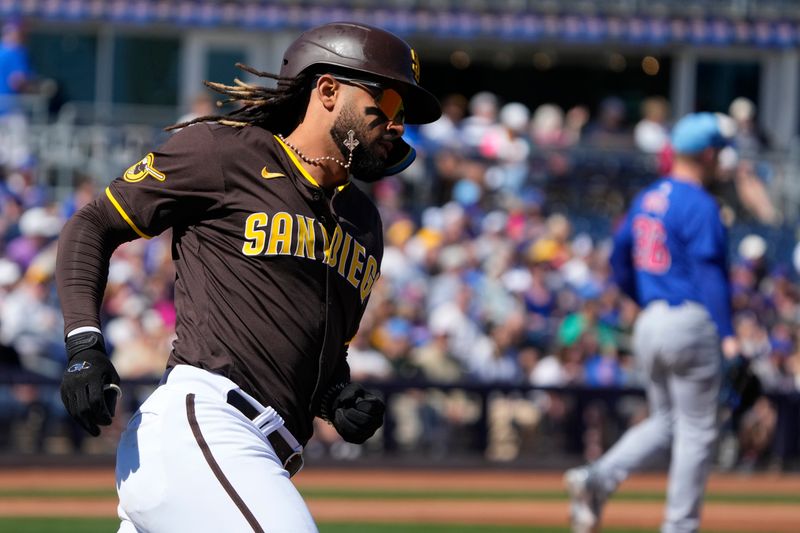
(678, 350)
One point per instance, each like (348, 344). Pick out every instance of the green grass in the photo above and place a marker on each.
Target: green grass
(58, 525)
(110, 525)
(430, 528)
(523, 495)
(106, 525)
(58, 494)
(399, 494)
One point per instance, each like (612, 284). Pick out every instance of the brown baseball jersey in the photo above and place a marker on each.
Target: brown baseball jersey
(272, 272)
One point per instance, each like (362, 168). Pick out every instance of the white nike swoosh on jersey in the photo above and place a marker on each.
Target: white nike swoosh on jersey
(269, 175)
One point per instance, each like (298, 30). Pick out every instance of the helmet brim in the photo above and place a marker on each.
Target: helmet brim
(421, 107)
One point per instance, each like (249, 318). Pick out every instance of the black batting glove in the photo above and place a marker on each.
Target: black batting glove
(356, 413)
(90, 384)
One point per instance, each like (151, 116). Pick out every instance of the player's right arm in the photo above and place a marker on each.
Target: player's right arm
(167, 187)
(84, 250)
(621, 259)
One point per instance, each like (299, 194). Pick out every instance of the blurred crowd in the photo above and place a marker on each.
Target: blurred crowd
(495, 271)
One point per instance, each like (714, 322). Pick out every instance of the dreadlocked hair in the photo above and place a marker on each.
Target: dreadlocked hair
(278, 109)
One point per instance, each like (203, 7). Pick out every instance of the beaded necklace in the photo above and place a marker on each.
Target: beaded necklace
(351, 143)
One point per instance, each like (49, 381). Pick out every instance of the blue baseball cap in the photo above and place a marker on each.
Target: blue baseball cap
(697, 131)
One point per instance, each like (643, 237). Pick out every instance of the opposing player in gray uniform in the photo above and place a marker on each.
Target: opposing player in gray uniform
(670, 255)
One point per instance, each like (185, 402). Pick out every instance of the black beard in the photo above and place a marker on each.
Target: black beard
(366, 164)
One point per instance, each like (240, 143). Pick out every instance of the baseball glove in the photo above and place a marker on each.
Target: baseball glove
(740, 386)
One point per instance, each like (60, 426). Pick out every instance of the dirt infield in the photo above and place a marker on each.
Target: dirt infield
(718, 515)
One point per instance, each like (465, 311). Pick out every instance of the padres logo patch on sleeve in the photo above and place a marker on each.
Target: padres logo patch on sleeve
(138, 171)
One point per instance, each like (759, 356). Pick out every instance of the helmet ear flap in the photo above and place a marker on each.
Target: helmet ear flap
(400, 158)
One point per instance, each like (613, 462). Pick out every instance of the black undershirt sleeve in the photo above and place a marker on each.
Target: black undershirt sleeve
(84, 252)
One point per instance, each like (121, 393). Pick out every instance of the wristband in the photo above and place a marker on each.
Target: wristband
(89, 340)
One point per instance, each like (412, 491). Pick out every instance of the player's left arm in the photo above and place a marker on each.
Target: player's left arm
(355, 412)
(715, 294)
(707, 248)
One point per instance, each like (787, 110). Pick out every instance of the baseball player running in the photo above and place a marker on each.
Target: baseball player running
(670, 256)
(276, 253)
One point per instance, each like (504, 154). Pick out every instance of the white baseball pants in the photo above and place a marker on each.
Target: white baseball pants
(190, 462)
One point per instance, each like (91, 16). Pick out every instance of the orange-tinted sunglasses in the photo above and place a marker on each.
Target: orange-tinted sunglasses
(388, 101)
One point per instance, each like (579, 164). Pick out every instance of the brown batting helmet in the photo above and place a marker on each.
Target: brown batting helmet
(369, 50)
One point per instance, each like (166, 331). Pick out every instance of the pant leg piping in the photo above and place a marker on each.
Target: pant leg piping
(220, 475)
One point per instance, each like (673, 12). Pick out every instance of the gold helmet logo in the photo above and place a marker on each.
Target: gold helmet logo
(415, 65)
